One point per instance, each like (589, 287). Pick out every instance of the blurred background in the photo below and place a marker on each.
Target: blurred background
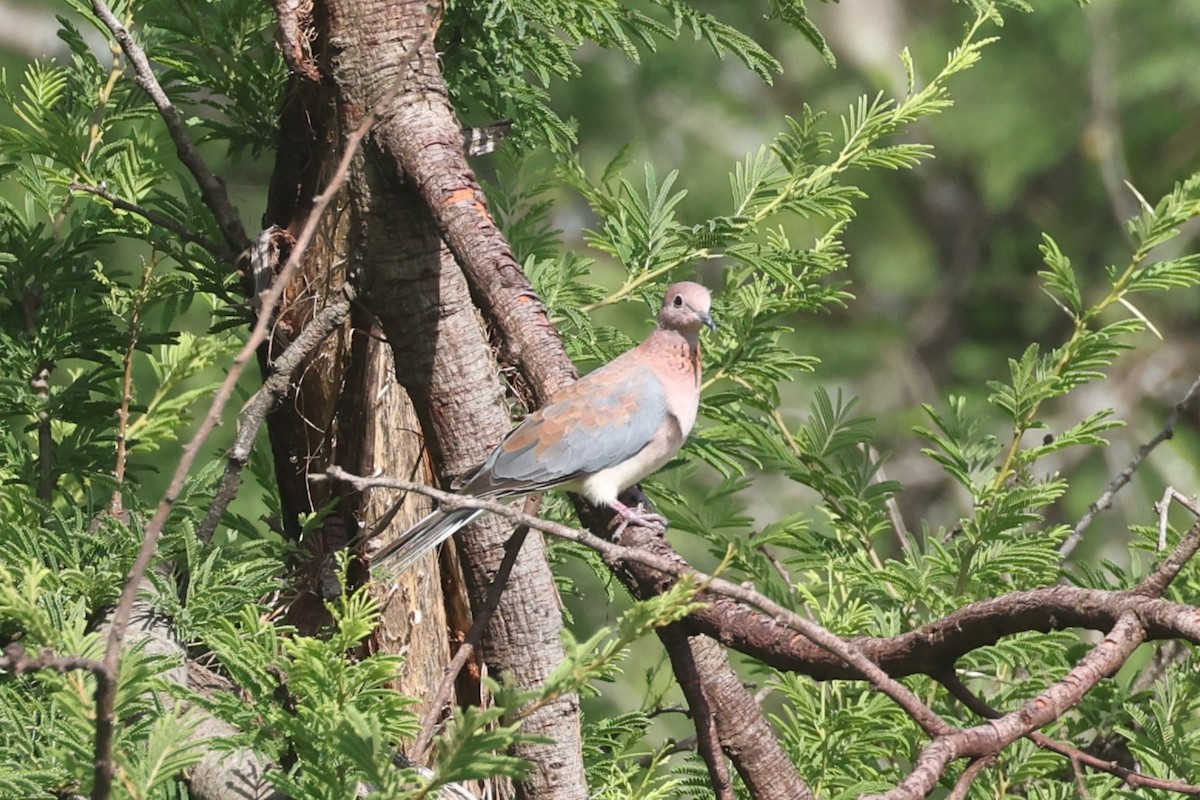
(1066, 109)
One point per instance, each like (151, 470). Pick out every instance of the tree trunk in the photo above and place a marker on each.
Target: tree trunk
(442, 355)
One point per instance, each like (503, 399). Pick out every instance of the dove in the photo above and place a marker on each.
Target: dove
(595, 437)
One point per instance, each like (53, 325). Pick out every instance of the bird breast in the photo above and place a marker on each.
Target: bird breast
(601, 488)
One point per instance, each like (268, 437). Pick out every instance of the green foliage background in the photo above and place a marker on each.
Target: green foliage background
(855, 277)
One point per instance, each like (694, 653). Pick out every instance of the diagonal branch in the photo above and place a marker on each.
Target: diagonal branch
(614, 553)
(420, 748)
(1105, 501)
(211, 189)
(254, 412)
(161, 220)
(994, 735)
(1133, 779)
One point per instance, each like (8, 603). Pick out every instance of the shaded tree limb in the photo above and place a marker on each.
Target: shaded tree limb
(675, 640)
(1132, 778)
(764, 766)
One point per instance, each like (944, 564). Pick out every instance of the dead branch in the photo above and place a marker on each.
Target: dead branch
(1104, 502)
(161, 220)
(275, 387)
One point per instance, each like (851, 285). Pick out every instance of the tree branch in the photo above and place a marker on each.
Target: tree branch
(614, 553)
(993, 736)
(161, 220)
(254, 412)
(1133, 779)
(675, 639)
(925, 650)
(211, 189)
(1105, 501)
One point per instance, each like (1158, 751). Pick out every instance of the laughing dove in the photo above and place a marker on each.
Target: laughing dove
(595, 437)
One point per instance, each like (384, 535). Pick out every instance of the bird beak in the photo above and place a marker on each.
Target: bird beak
(707, 320)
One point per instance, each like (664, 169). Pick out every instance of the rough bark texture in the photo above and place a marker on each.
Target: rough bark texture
(441, 352)
(746, 737)
(345, 407)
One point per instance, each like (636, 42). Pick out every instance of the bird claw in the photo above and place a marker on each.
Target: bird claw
(638, 516)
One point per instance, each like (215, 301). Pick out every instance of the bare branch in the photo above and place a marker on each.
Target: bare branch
(993, 736)
(161, 220)
(254, 412)
(1104, 502)
(1164, 573)
(16, 659)
(614, 553)
(1132, 779)
(211, 189)
(116, 507)
(962, 787)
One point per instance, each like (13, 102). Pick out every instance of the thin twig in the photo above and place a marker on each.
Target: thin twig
(117, 506)
(211, 189)
(102, 786)
(614, 553)
(161, 220)
(16, 659)
(1104, 502)
(963, 785)
(512, 549)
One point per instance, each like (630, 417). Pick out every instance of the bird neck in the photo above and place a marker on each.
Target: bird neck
(680, 347)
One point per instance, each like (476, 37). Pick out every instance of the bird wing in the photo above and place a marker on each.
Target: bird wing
(601, 420)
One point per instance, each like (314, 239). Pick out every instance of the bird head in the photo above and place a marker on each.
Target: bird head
(686, 307)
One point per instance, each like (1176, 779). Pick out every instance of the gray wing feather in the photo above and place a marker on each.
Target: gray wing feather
(397, 556)
(584, 449)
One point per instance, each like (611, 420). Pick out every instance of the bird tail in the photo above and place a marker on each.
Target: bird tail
(397, 556)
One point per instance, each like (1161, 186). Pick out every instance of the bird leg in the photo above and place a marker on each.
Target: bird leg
(638, 516)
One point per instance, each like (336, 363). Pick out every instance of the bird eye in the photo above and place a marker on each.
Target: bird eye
(678, 300)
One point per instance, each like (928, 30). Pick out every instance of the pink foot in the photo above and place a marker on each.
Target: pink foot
(638, 516)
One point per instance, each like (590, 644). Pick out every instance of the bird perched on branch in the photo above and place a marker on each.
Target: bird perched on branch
(596, 437)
